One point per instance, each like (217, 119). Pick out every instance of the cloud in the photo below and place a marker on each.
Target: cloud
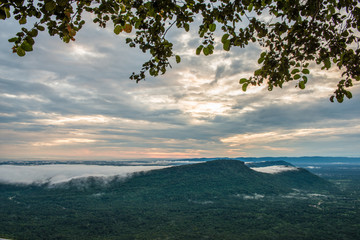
(57, 173)
(275, 169)
(291, 135)
(256, 196)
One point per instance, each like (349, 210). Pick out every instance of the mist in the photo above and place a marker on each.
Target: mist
(60, 173)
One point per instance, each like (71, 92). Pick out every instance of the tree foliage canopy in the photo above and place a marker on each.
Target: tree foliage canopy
(292, 33)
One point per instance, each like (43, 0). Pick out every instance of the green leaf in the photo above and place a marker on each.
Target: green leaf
(152, 72)
(66, 39)
(212, 27)
(202, 33)
(30, 40)
(327, 63)
(40, 28)
(14, 39)
(117, 29)
(295, 71)
(261, 59)
(137, 24)
(178, 59)
(258, 72)
(206, 51)
(305, 79)
(22, 20)
(186, 27)
(20, 52)
(211, 47)
(33, 33)
(198, 50)
(348, 94)
(250, 7)
(226, 45)
(123, 8)
(302, 85)
(224, 38)
(26, 46)
(244, 87)
(49, 6)
(7, 12)
(305, 71)
(243, 80)
(297, 76)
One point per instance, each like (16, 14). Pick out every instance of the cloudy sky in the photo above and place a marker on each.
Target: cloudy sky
(76, 101)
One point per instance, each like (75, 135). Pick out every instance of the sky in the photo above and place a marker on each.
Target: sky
(76, 102)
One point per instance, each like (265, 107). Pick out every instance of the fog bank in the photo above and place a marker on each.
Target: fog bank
(58, 173)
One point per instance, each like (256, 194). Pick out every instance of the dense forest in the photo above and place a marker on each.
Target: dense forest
(211, 200)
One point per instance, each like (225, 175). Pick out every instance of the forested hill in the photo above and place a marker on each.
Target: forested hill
(218, 178)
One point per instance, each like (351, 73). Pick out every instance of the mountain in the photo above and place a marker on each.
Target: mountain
(215, 179)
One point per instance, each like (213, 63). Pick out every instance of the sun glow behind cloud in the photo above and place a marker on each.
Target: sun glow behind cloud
(201, 110)
(56, 119)
(64, 142)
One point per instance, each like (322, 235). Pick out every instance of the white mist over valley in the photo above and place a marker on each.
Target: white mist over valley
(59, 173)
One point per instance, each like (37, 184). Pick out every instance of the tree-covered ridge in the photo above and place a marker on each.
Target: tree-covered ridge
(300, 32)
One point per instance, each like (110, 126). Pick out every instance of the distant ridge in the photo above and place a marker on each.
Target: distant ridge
(170, 162)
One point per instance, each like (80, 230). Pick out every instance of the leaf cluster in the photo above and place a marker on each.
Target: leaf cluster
(323, 32)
